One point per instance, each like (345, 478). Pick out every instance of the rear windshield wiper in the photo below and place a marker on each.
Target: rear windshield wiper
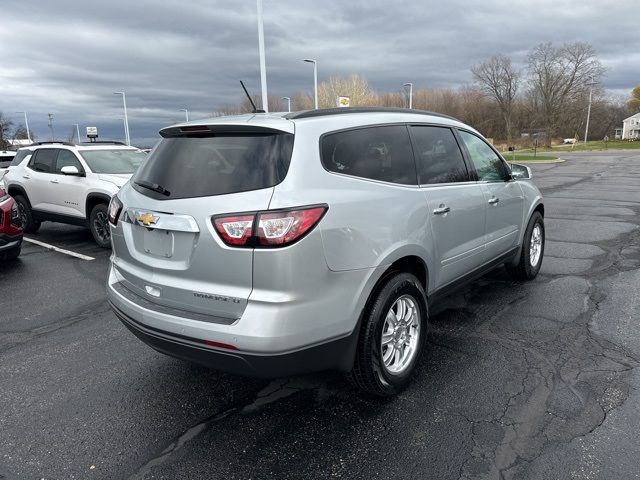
(153, 186)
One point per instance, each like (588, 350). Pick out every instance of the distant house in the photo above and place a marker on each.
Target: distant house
(631, 127)
(618, 134)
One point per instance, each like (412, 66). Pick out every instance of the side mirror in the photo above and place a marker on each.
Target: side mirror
(71, 170)
(520, 172)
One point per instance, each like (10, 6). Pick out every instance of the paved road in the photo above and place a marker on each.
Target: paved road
(526, 381)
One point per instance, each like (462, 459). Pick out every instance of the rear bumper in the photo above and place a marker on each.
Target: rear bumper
(334, 355)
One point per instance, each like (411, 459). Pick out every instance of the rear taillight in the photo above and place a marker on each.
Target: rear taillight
(115, 207)
(235, 230)
(286, 227)
(270, 228)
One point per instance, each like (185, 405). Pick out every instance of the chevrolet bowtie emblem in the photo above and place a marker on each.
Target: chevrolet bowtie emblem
(147, 219)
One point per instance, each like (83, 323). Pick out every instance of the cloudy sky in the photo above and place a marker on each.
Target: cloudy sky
(67, 57)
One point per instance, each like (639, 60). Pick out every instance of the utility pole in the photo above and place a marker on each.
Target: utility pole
(50, 115)
(78, 132)
(186, 113)
(586, 129)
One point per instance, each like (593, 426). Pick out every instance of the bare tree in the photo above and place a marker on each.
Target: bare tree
(499, 80)
(20, 133)
(559, 76)
(391, 99)
(5, 127)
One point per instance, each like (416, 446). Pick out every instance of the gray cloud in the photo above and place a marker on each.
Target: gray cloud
(67, 57)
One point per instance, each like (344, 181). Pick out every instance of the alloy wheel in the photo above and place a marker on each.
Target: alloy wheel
(400, 335)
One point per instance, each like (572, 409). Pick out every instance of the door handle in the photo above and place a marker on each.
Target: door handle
(26, 176)
(55, 180)
(494, 200)
(441, 210)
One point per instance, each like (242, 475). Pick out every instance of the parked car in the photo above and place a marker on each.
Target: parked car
(274, 245)
(6, 156)
(10, 227)
(70, 183)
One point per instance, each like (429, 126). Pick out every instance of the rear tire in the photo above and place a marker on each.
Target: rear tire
(28, 223)
(532, 250)
(388, 327)
(99, 225)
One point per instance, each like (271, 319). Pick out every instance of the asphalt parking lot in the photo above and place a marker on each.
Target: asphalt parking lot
(526, 381)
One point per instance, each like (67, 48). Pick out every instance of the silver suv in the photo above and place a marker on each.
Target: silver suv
(70, 183)
(278, 244)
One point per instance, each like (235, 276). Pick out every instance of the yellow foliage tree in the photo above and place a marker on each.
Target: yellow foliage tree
(355, 87)
(635, 98)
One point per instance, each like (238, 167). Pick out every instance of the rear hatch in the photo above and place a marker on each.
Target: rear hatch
(169, 251)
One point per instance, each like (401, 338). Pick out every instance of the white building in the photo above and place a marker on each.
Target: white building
(631, 127)
(17, 143)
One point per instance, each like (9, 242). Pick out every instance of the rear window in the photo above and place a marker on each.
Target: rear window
(378, 153)
(200, 166)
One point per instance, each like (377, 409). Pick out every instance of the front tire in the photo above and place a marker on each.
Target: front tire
(532, 250)
(12, 254)
(392, 336)
(28, 223)
(99, 225)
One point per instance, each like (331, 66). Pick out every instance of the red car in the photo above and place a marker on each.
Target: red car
(10, 227)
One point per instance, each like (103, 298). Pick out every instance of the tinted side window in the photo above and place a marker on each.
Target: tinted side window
(43, 160)
(378, 153)
(488, 164)
(19, 157)
(66, 158)
(438, 156)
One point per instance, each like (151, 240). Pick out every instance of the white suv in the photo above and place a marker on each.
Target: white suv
(70, 183)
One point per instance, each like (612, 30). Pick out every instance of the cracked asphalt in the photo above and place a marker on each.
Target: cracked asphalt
(536, 380)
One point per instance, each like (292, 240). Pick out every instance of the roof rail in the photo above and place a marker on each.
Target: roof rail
(341, 111)
(102, 142)
(58, 142)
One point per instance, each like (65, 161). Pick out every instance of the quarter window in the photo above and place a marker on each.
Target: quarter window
(43, 160)
(488, 164)
(19, 157)
(438, 156)
(378, 153)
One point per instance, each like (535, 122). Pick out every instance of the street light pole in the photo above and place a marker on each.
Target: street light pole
(78, 131)
(315, 79)
(126, 118)
(263, 72)
(586, 129)
(410, 85)
(26, 124)
(186, 113)
(50, 115)
(288, 99)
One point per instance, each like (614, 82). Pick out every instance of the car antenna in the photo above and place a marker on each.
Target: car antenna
(255, 110)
